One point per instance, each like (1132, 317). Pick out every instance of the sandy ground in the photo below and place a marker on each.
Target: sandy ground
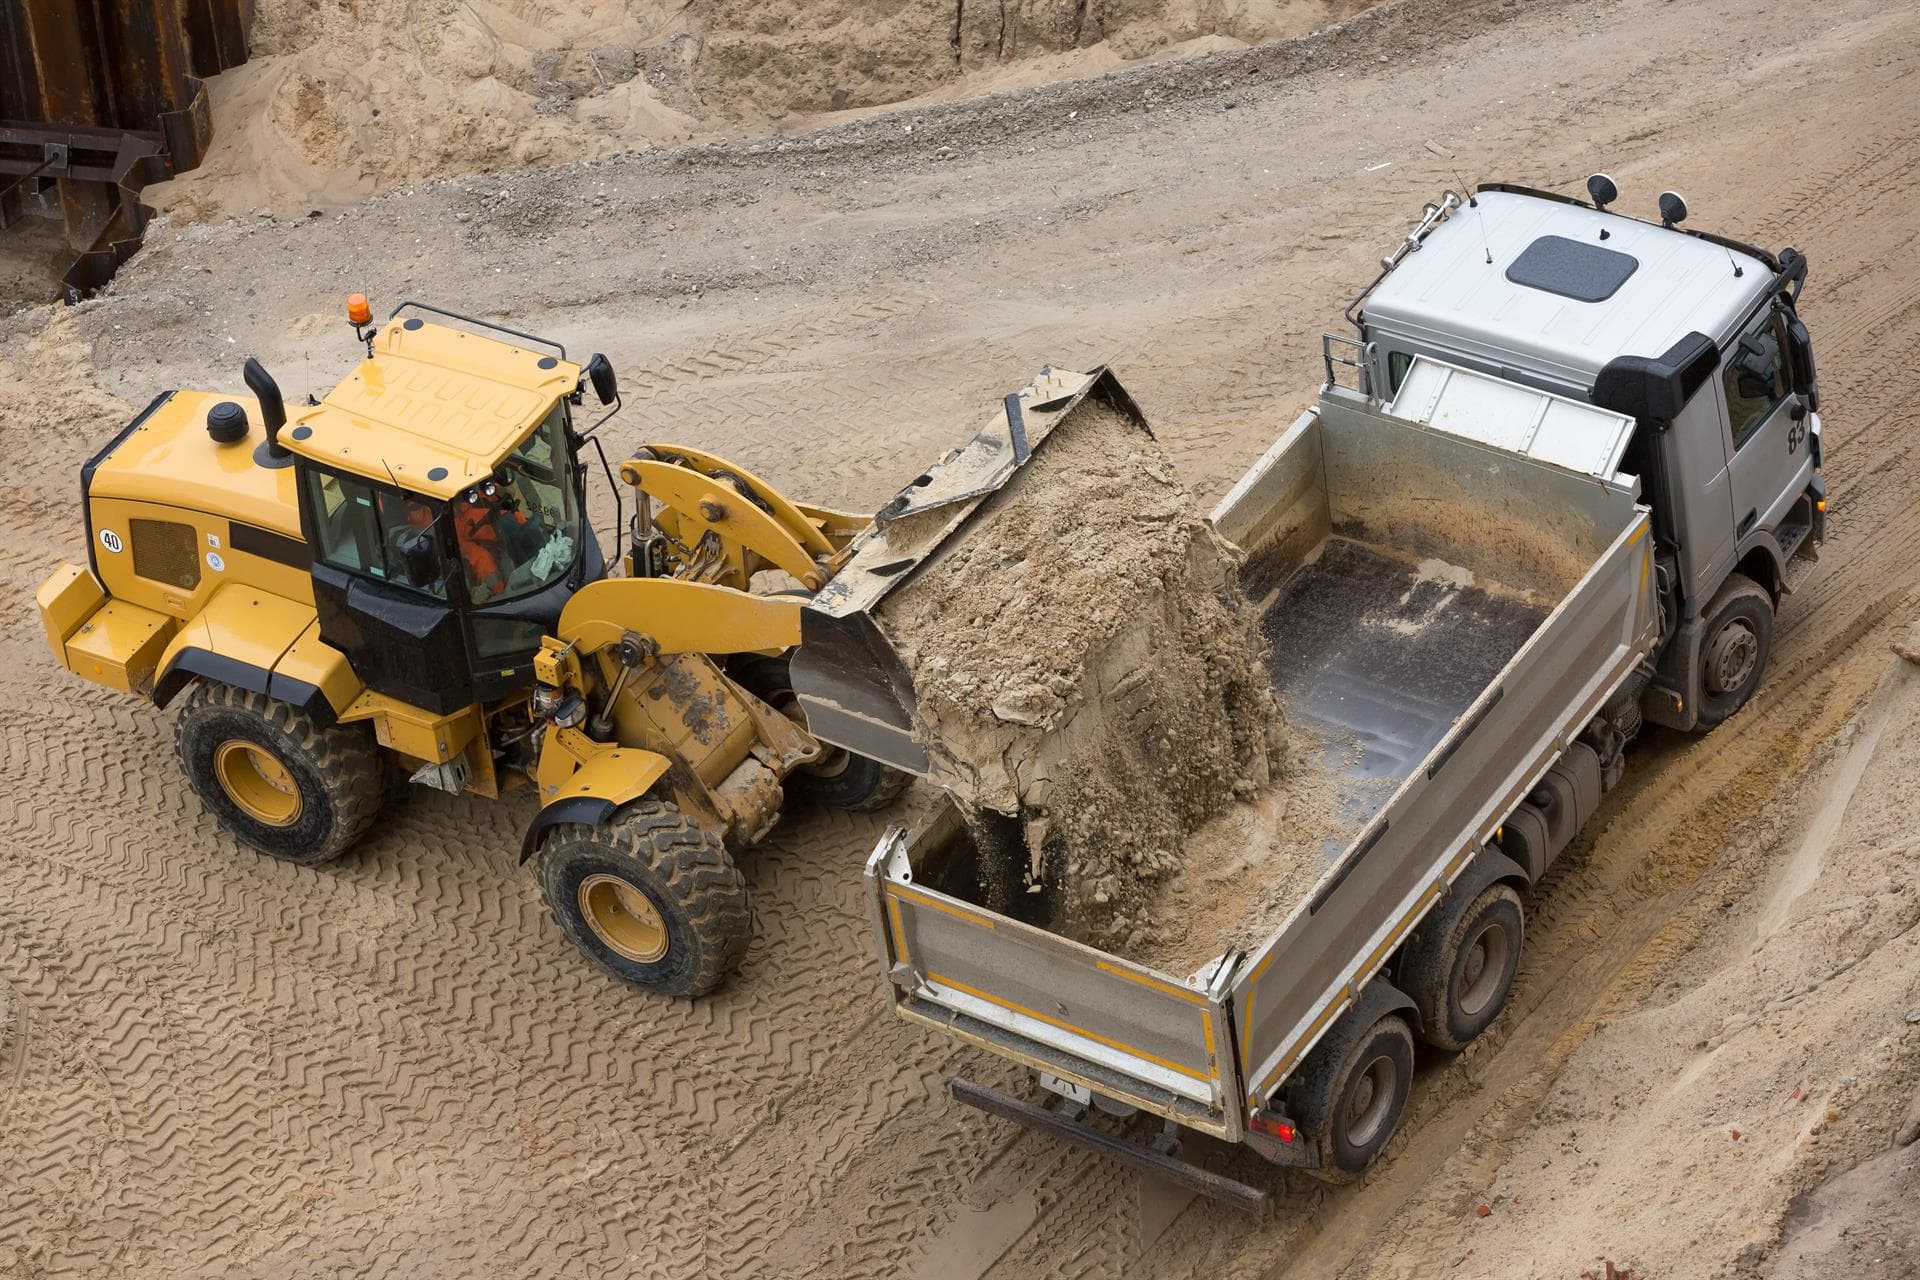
(218, 1065)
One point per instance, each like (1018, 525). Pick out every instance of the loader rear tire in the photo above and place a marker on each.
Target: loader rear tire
(841, 779)
(651, 897)
(274, 778)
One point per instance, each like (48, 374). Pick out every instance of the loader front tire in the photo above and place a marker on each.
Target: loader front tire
(651, 897)
(838, 780)
(274, 778)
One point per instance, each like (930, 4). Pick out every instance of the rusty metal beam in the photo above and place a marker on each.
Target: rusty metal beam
(104, 97)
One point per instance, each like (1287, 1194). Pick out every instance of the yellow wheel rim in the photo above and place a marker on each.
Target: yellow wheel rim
(623, 917)
(255, 780)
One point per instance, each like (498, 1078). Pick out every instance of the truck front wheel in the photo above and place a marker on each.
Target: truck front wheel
(275, 779)
(1352, 1091)
(1459, 965)
(651, 897)
(1734, 648)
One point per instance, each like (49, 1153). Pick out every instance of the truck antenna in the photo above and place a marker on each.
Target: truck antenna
(1738, 270)
(1480, 219)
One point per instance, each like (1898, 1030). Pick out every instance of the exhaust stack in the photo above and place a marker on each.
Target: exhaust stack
(273, 412)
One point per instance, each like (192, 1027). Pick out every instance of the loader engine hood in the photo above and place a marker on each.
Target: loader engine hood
(847, 675)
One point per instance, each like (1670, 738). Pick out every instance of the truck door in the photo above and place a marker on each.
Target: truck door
(1701, 492)
(1771, 460)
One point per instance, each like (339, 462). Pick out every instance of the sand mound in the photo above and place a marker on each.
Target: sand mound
(344, 98)
(1086, 665)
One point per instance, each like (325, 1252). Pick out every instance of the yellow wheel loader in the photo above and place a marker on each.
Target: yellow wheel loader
(401, 577)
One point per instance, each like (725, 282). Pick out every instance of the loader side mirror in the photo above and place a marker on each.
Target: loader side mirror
(418, 554)
(599, 372)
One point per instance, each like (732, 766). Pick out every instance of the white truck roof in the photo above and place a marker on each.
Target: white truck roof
(1558, 300)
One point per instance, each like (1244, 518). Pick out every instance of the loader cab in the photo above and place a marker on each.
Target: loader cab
(442, 496)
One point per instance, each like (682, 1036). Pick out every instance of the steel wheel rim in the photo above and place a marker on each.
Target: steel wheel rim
(257, 783)
(1370, 1099)
(623, 918)
(1485, 967)
(1732, 657)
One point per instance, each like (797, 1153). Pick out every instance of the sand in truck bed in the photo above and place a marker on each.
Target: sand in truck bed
(1085, 663)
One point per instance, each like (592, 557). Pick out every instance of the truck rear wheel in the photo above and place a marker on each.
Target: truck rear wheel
(1734, 647)
(1459, 965)
(838, 780)
(273, 778)
(651, 897)
(1352, 1091)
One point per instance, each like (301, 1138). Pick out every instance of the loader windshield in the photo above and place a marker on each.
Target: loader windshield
(519, 530)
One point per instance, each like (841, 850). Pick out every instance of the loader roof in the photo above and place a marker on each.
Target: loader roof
(1568, 289)
(433, 408)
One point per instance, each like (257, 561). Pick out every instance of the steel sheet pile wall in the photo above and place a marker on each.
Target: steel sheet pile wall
(98, 98)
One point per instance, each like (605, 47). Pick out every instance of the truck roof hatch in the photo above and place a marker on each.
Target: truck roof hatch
(1505, 415)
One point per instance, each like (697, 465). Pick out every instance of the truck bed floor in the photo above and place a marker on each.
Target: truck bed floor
(1373, 656)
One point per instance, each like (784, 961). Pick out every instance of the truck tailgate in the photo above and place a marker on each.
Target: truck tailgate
(1097, 1020)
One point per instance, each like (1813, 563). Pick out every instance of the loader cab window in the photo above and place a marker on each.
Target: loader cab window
(1755, 377)
(378, 533)
(519, 529)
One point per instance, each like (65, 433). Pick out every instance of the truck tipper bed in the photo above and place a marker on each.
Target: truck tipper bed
(1431, 700)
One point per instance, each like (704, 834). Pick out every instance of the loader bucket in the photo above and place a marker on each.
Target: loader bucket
(851, 682)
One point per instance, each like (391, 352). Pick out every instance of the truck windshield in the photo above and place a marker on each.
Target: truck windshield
(519, 529)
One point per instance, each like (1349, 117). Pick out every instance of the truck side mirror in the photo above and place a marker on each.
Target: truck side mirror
(599, 372)
(1800, 362)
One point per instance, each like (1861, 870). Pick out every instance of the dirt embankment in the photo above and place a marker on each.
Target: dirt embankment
(343, 98)
(1085, 662)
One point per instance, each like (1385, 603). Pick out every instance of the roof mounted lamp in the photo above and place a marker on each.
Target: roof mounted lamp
(1602, 190)
(1673, 210)
(360, 315)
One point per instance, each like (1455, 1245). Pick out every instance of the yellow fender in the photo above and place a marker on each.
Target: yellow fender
(679, 616)
(586, 782)
(257, 640)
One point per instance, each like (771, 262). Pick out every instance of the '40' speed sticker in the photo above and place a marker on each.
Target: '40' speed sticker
(110, 540)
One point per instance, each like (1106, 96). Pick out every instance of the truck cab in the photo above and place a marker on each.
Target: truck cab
(1695, 337)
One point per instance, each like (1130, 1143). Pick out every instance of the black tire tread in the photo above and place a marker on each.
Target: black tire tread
(690, 863)
(1426, 966)
(1316, 1092)
(1715, 712)
(345, 757)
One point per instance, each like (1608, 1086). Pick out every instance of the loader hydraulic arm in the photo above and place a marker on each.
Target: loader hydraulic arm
(704, 518)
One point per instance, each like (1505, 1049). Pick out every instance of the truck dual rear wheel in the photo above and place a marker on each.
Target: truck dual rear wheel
(650, 897)
(275, 779)
(1351, 1093)
(1734, 647)
(1459, 965)
(840, 779)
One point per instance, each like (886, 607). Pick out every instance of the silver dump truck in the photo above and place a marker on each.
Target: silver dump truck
(1568, 467)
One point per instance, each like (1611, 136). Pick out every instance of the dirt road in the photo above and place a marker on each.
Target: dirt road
(394, 1065)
